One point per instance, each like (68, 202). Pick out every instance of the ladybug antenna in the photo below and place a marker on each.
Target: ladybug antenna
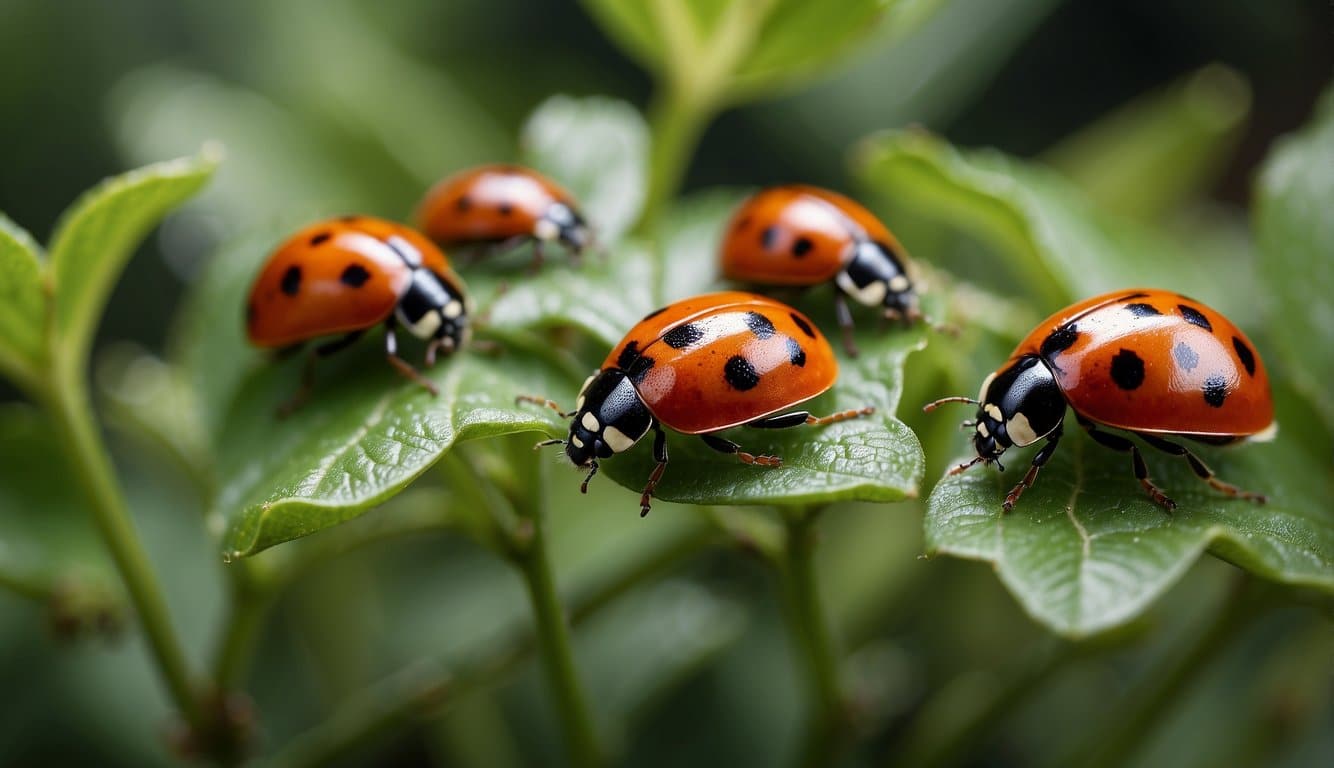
(967, 464)
(545, 443)
(583, 488)
(929, 407)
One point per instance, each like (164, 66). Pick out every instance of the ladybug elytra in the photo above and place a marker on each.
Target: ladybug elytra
(1148, 362)
(699, 366)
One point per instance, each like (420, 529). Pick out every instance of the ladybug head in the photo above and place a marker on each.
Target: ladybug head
(433, 309)
(874, 277)
(609, 418)
(561, 222)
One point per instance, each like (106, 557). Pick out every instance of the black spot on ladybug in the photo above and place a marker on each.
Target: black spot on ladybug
(803, 325)
(355, 276)
(1139, 309)
(759, 325)
(1059, 340)
(292, 280)
(768, 237)
(1127, 370)
(1185, 356)
(463, 204)
(639, 368)
(802, 246)
(1215, 390)
(743, 223)
(1245, 354)
(505, 209)
(1195, 317)
(321, 237)
(795, 354)
(740, 374)
(654, 313)
(683, 336)
(628, 356)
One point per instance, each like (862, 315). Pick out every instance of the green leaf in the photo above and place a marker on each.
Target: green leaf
(22, 303)
(97, 235)
(1296, 233)
(1085, 550)
(799, 39)
(1163, 149)
(1053, 244)
(598, 148)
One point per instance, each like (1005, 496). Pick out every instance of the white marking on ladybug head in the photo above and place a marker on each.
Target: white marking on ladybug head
(546, 230)
(986, 384)
(617, 440)
(1020, 431)
(590, 422)
(577, 442)
(899, 284)
(1265, 435)
(872, 295)
(579, 404)
(994, 411)
(453, 309)
(426, 325)
(982, 429)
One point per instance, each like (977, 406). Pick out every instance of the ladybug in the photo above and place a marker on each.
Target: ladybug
(798, 235)
(699, 366)
(1151, 363)
(344, 276)
(503, 205)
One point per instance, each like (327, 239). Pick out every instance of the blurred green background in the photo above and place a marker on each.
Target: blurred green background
(358, 105)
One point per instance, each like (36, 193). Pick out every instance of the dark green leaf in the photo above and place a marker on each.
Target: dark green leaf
(22, 303)
(1085, 550)
(1296, 233)
(1053, 242)
(598, 148)
(97, 235)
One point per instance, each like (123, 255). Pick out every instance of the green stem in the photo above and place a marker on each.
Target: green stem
(73, 416)
(676, 122)
(811, 629)
(249, 603)
(28, 585)
(1143, 711)
(553, 636)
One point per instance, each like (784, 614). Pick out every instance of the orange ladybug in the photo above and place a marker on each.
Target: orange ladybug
(1148, 362)
(798, 235)
(503, 205)
(346, 275)
(700, 366)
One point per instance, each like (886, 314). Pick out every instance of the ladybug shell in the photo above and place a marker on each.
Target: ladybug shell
(337, 276)
(723, 359)
(487, 204)
(797, 235)
(1158, 362)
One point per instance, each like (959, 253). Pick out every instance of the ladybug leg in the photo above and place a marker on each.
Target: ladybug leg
(1040, 460)
(1201, 469)
(660, 456)
(723, 445)
(1118, 443)
(538, 258)
(798, 418)
(401, 365)
(844, 316)
(308, 371)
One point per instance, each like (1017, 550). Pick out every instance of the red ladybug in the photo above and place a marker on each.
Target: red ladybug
(1152, 363)
(346, 275)
(502, 205)
(802, 236)
(700, 366)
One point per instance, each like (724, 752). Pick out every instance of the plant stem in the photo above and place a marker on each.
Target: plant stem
(811, 629)
(73, 416)
(553, 636)
(249, 602)
(1140, 713)
(28, 585)
(676, 122)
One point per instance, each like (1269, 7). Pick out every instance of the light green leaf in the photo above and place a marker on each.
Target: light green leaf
(1294, 198)
(97, 235)
(1053, 244)
(799, 39)
(598, 148)
(1085, 550)
(22, 303)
